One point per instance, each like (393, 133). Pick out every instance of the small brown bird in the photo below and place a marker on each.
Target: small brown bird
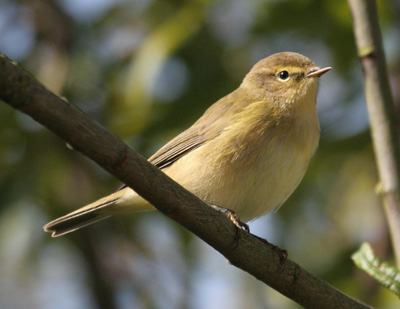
(247, 153)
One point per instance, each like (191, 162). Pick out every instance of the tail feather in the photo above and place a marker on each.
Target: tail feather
(76, 220)
(120, 202)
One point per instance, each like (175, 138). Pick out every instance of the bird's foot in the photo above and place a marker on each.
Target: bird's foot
(233, 217)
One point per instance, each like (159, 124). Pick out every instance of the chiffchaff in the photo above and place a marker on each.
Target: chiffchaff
(247, 153)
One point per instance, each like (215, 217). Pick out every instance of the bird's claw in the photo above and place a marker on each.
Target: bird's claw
(233, 217)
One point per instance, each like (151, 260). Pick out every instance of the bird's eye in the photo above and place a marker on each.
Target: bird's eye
(283, 75)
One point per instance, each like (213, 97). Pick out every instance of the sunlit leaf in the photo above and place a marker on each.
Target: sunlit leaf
(385, 274)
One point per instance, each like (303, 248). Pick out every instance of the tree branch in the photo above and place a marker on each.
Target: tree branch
(381, 111)
(23, 92)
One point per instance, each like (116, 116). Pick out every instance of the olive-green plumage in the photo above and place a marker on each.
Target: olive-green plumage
(248, 152)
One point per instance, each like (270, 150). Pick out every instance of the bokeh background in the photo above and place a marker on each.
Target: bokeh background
(146, 69)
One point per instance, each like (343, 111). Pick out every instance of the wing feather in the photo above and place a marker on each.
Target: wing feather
(176, 148)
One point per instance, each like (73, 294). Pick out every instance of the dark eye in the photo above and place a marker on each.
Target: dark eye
(283, 75)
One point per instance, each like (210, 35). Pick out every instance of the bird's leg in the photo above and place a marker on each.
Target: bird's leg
(233, 217)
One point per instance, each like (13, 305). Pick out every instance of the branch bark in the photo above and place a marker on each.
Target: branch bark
(21, 91)
(381, 109)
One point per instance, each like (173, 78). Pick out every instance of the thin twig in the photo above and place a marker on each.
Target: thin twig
(381, 111)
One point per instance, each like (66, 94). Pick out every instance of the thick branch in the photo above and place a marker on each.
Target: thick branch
(381, 110)
(247, 252)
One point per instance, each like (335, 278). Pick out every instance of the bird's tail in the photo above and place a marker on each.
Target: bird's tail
(123, 201)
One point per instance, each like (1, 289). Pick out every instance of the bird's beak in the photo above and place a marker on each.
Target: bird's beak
(319, 72)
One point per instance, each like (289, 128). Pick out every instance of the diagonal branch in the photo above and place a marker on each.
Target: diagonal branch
(23, 92)
(381, 109)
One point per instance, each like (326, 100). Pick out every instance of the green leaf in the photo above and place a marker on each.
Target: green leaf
(386, 275)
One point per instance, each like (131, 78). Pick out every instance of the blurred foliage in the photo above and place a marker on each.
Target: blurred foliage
(146, 69)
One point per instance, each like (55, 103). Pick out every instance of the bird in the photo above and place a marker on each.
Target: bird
(247, 153)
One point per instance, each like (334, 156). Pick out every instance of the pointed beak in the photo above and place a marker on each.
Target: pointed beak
(319, 72)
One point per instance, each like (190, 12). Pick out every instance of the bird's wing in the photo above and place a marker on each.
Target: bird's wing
(177, 147)
(207, 127)
(180, 145)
